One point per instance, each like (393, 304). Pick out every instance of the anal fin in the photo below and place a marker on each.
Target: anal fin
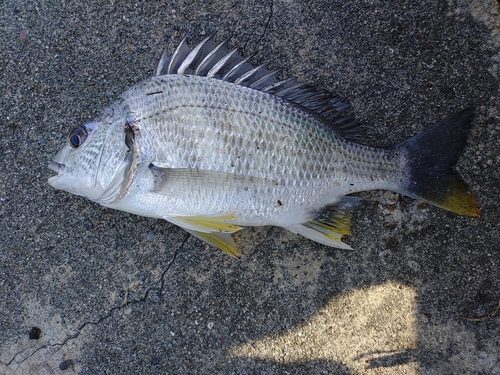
(331, 223)
(222, 241)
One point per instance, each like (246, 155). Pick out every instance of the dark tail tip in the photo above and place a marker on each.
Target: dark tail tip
(431, 156)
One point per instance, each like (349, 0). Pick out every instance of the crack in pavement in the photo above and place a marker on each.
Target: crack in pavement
(266, 26)
(110, 313)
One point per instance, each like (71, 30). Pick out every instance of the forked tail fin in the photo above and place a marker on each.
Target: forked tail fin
(431, 156)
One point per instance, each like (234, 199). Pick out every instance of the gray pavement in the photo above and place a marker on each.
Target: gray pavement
(88, 290)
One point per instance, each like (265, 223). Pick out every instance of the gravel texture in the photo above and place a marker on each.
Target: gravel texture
(88, 290)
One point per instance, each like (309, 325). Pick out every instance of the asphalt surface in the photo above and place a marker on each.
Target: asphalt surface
(88, 290)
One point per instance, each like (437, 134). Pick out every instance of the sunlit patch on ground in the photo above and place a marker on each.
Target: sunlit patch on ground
(375, 326)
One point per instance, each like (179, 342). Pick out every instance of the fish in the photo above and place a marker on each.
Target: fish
(213, 143)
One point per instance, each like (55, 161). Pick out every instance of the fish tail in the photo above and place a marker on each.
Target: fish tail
(431, 155)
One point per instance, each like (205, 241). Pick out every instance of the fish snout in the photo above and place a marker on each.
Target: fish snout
(59, 169)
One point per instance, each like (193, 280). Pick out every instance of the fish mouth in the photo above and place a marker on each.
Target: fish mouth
(58, 168)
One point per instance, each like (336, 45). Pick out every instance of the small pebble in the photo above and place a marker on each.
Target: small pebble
(150, 236)
(88, 224)
(155, 361)
(35, 333)
(65, 365)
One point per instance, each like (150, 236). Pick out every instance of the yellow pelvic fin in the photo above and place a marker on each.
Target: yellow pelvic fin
(222, 241)
(207, 224)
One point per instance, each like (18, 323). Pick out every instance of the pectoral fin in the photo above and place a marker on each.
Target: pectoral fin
(330, 224)
(176, 181)
(222, 241)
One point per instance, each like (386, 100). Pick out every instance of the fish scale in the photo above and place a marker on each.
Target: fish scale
(212, 144)
(263, 128)
(211, 111)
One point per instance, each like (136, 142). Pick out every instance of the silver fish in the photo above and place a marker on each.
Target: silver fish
(212, 143)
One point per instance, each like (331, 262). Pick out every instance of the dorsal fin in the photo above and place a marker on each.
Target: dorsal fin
(212, 61)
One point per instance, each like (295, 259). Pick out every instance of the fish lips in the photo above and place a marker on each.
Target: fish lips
(74, 185)
(58, 168)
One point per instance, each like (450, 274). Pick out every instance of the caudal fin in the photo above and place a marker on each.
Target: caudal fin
(431, 156)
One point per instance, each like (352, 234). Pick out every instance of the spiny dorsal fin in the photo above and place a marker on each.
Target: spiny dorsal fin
(212, 61)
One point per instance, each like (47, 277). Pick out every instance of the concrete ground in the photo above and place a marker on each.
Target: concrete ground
(88, 290)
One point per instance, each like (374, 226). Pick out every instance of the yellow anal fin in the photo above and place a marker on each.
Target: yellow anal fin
(330, 224)
(330, 239)
(207, 224)
(222, 241)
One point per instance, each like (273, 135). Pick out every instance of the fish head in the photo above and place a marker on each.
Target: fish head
(94, 161)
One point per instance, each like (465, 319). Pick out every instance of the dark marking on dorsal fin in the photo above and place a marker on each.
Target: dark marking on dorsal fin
(212, 61)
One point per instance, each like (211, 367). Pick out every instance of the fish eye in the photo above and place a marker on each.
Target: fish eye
(77, 137)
